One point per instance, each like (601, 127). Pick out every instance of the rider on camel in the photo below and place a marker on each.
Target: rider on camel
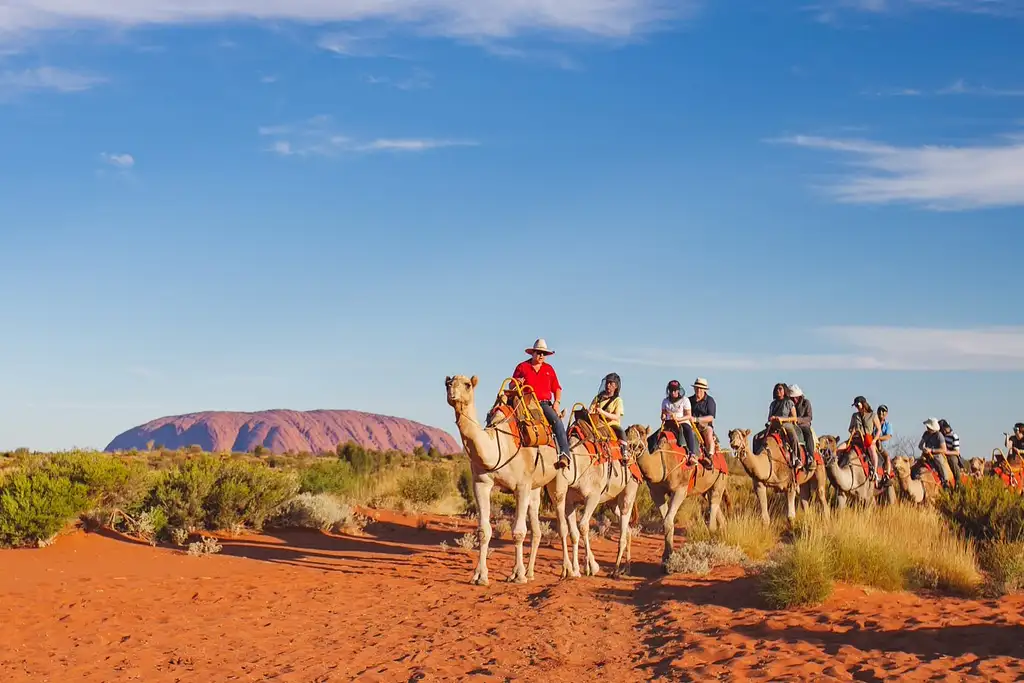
(783, 411)
(933, 447)
(804, 416)
(704, 410)
(608, 404)
(541, 377)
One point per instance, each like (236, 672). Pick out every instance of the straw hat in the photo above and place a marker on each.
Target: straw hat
(542, 346)
(700, 383)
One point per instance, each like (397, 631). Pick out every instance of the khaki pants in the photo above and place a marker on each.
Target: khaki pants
(707, 433)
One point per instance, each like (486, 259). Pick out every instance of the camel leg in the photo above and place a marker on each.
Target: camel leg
(534, 514)
(823, 495)
(574, 532)
(762, 497)
(523, 494)
(678, 496)
(557, 490)
(791, 493)
(715, 504)
(592, 568)
(624, 535)
(482, 493)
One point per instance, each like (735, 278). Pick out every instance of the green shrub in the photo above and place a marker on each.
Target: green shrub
(801, 574)
(425, 486)
(110, 481)
(1004, 562)
(984, 509)
(36, 505)
(183, 491)
(328, 476)
(248, 494)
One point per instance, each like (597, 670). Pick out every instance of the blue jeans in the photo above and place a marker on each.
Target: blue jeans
(691, 439)
(556, 424)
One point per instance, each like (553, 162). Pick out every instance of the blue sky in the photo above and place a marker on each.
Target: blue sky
(334, 205)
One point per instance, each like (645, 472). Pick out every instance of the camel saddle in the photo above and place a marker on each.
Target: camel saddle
(1012, 477)
(780, 438)
(856, 447)
(922, 464)
(525, 417)
(668, 442)
(603, 447)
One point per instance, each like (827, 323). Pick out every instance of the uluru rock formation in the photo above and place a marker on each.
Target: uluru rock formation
(282, 431)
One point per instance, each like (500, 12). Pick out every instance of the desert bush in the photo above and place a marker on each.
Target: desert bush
(984, 509)
(328, 476)
(890, 548)
(35, 505)
(1003, 561)
(210, 493)
(425, 486)
(700, 557)
(321, 511)
(743, 530)
(799, 574)
(110, 481)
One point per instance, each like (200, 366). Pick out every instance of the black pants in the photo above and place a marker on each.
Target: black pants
(808, 440)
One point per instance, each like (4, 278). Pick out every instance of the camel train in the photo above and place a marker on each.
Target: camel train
(595, 461)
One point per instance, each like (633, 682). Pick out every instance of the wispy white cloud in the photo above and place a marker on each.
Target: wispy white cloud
(143, 372)
(454, 18)
(949, 178)
(318, 137)
(829, 11)
(957, 87)
(118, 160)
(420, 79)
(47, 78)
(869, 348)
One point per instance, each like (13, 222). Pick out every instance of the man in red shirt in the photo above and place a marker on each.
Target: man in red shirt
(541, 377)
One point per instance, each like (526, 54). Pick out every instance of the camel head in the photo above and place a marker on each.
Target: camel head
(901, 465)
(828, 445)
(460, 390)
(976, 467)
(738, 439)
(638, 431)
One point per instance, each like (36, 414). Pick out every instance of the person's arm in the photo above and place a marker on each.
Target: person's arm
(556, 387)
(805, 421)
(882, 436)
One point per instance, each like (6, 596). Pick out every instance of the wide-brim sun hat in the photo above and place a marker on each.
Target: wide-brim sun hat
(700, 383)
(931, 424)
(542, 346)
(795, 391)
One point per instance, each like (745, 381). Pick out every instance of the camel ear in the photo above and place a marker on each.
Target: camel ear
(473, 380)
(447, 381)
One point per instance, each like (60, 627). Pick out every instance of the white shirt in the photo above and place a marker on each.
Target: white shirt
(677, 409)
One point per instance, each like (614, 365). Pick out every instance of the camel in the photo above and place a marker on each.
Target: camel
(976, 468)
(670, 482)
(592, 483)
(849, 480)
(494, 458)
(770, 469)
(919, 491)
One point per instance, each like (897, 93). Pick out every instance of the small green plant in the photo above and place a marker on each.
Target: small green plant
(36, 505)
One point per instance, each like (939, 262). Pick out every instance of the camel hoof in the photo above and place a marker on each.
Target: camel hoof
(480, 580)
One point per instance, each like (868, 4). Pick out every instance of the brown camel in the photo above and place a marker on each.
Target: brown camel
(976, 468)
(848, 478)
(592, 483)
(770, 469)
(495, 459)
(671, 480)
(919, 491)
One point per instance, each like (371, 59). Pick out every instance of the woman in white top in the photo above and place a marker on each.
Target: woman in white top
(675, 409)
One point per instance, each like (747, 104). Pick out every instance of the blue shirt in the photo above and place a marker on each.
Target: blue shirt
(886, 429)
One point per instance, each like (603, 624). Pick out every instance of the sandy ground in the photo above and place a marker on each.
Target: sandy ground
(395, 606)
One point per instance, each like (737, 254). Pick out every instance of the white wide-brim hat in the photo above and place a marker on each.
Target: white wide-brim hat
(795, 390)
(931, 424)
(700, 383)
(542, 346)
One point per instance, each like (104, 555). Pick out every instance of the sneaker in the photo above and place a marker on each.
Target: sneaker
(563, 461)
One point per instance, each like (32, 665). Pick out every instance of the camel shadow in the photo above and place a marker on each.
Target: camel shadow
(982, 640)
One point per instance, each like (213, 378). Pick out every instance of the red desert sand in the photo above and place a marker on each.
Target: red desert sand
(393, 605)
